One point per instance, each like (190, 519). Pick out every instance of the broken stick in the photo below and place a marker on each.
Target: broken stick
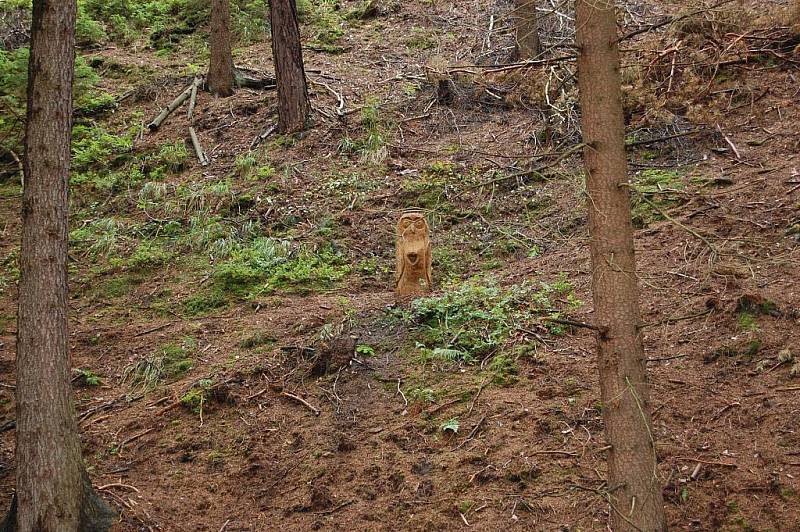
(198, 149)
(177, 102)
(302, 401)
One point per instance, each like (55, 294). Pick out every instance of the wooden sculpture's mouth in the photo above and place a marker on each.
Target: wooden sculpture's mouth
(412, 258)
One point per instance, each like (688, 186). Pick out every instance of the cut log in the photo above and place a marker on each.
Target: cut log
(198, 149)
(168, 110)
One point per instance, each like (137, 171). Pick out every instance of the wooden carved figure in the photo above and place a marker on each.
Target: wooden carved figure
(413, 275)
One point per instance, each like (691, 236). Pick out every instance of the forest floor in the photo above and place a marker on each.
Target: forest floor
(207, 301)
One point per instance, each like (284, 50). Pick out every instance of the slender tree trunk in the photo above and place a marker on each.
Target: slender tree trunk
(527, 31)
(634, 485)
(220, 70)
(293, 105)
(53, 492)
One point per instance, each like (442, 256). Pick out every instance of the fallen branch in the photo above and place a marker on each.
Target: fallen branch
(339, 98)
(663, 359)
(257, 394)
(198, 149)
(253, 82)
(662, 139)
(193, 100)
(512, 66)
(730, 143)
(263, 135)
(302, 401)
(168, 110)
(538, 169)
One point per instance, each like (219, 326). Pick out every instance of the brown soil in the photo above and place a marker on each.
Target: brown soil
(528, 455)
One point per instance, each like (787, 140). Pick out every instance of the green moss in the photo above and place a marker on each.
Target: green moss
(205, 301)
(653, 192)
(148, 255)
(198, 395)
(258, 339)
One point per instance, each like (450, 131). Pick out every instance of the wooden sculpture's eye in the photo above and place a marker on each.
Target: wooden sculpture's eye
(420, 224)
(405, 223)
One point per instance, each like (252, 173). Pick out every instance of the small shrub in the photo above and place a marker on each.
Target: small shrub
(198, 395)
(85, 377)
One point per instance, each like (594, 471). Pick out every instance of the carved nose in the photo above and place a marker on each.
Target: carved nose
(412, 258)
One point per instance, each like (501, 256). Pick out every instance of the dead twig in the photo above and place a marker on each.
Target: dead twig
(135, 437)
(154, 329)
(670, 20)
(475, 399)
(302, 401)
(116, 485)
(336, 509)
(471, 434)
(401, 393)
(707, 462)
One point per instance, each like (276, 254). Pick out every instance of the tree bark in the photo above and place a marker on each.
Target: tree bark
(527, 31)
(220, 70)
(634, 484)
(53, 492)
(293, 104)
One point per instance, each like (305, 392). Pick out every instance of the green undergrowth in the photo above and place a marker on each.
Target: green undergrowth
(198, 395)
(267, 265)
(326, 22)
(168, 362)
(372, 144)
(163, 24)
(654, 193)
(479, 318)
(88, 100)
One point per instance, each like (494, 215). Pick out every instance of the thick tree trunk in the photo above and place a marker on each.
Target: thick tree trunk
(634, 485)
(220, 70)
(53, 491)
(293, 102)
(527, 31)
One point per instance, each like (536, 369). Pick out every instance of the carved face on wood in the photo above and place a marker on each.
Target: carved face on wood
(413, 275)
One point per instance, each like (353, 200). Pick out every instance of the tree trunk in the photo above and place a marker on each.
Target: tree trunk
(220, 70)
(634, 485)
(293, 102)
(527, 34)
(53, 492)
